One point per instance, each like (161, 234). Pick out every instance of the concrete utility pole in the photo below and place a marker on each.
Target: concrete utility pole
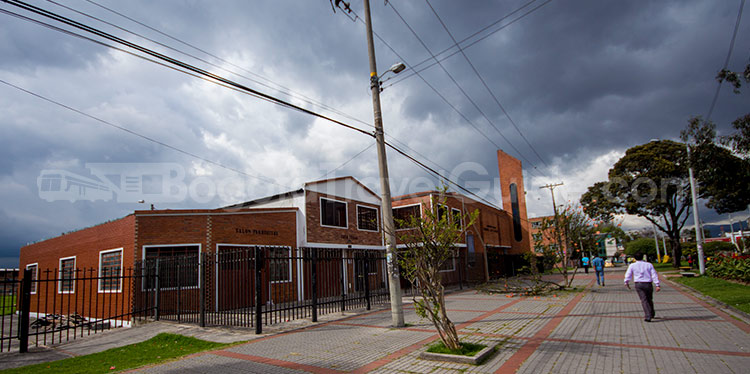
(656, 242)
(696, 219)
(394, 281)
(557, 221)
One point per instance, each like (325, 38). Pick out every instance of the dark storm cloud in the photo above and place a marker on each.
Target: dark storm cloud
(581, 79)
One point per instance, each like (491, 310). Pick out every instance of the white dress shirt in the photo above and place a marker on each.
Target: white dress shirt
(641, 271)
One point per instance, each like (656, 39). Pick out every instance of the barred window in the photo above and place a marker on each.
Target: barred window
(403, 214)
(110, 271)
(178, 265)
(67, 275)
(280, 264)
(367, 218)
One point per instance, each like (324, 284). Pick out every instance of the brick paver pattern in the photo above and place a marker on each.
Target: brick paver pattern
(598, 330)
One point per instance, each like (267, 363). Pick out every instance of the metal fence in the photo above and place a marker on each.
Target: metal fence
(262, 286)
(60, 305)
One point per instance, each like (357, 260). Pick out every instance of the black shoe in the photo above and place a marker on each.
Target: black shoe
(647, 319)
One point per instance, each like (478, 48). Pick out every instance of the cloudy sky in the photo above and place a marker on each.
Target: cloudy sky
(570, 85)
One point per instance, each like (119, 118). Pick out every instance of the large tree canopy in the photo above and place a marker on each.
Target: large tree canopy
(723, 177)
(650, 181)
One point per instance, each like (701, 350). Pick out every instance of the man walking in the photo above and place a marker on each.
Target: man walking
(598, 263)
(645, 277)
(585, 262)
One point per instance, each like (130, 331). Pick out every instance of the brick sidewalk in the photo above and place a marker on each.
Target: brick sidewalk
(599, 330)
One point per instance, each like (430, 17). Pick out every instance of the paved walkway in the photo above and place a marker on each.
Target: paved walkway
(599, 330)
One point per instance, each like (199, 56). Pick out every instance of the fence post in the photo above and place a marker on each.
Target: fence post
(343, 282)
(23, 318)
(314, 282)
(202, 288)
(156, 292)
(259, 264)
(367, 278)
(179, 292)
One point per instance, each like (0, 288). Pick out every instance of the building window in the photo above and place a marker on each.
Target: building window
(402, 215)
(34, 276)
(457, 218)
(280, 264)
(178, 265)
(449, 264)
(66, 284)
(332, 213)
(536, 224)
(110, 270)
(367, 218)
(442, 211)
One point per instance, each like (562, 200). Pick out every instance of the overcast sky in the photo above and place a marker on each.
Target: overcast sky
(582, 81)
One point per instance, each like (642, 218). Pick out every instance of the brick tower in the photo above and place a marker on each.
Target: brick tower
(514, 201)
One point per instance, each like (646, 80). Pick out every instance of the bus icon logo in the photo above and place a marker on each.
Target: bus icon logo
(57, 185)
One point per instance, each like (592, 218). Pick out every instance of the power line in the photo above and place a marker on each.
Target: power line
(173, 61)
(475, 41)
(507, 115)
(726, 61)
(282, 89)
(347, 161)
(198, 72)
(166, 145)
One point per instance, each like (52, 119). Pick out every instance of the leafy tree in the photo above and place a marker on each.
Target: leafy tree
(429, 244)
(739, 141)
(650, 181)
(643, 245)
(723, 178)
(571, 229)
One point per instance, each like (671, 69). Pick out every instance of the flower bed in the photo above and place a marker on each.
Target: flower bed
(734, 267)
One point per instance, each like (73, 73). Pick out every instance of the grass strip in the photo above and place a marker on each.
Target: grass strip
(162, 347)
(467, 349)
(734, 294)
(7, 304)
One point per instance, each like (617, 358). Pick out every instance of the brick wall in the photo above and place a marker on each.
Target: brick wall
(511, 172)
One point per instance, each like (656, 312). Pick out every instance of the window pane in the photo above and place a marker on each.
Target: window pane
(367, 218)
(67, 271)
(333, 213)
(111, 265)
(279, 261)
(405, 214)
(34, 276)
(178, 265)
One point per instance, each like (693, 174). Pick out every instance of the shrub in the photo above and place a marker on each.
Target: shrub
(734, 267)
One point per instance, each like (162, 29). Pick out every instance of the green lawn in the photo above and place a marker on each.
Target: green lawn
(736, 295)
(668, 266)
(162, 347)
(7, 305)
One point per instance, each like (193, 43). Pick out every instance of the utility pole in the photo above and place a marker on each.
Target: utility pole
(656, 242)
(557, 221)
(696, 219)
(394, 281)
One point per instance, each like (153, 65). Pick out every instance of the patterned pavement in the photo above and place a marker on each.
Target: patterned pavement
(598, 330)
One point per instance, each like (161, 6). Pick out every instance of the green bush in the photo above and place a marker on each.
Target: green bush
(709, 249)
(643, 245)
(732, 267)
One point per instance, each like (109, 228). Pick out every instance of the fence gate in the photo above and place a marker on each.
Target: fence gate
(256, 286)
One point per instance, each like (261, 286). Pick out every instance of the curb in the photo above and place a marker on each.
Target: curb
(745, 317)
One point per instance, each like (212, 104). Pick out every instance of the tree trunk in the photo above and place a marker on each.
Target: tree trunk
(676, 249)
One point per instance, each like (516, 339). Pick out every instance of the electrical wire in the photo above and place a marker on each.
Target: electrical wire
(484, 83)
(460, 88)
(407, 76)
(173, 61)
(188, 69)
(145, 137)
(347, 161)
(726, 61)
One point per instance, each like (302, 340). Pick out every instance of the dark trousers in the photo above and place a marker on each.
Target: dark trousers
(645, 292)
(586, 268)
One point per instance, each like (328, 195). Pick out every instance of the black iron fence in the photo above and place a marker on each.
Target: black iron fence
(60, 305)
(256, 286)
